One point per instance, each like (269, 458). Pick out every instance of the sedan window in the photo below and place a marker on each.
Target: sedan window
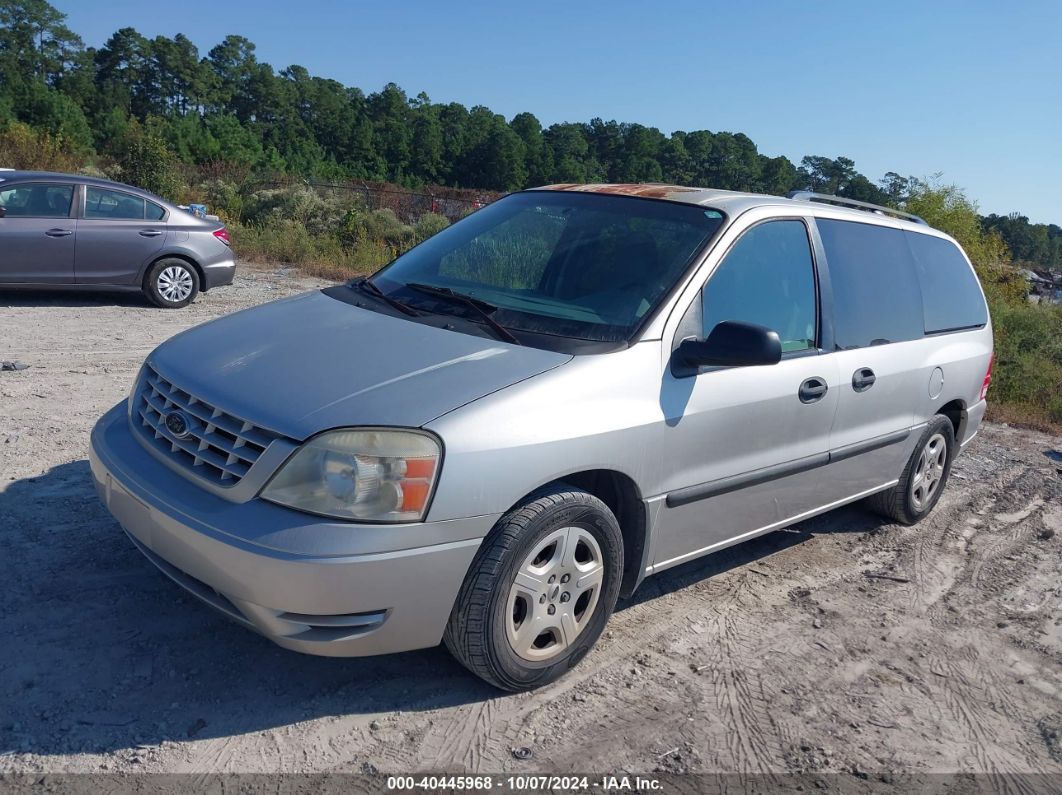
(37, 200)
(155, 212)
(113, 205)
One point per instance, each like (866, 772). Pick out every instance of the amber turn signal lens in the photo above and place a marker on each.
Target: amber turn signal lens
(420, 468)
(415, 494)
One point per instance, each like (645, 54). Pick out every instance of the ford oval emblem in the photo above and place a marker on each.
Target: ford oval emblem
(177, 424)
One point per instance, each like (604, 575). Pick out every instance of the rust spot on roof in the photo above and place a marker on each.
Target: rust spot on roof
(647, 191)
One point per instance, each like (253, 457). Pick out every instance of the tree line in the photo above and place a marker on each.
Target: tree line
(227, 106)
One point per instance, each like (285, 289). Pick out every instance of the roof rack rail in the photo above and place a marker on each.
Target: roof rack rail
(826, 198)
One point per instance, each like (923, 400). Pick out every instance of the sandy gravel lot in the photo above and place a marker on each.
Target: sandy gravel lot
(842, 644)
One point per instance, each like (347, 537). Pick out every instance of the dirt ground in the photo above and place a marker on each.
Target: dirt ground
(843, 644)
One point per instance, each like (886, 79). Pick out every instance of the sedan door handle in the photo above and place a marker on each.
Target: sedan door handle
(150, 233)
(812, 390)
(59, 232)
(863, 379)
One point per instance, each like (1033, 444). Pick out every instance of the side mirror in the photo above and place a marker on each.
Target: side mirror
(732, 344)
(3, 212)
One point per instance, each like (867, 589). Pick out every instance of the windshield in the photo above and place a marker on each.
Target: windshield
(585, 266)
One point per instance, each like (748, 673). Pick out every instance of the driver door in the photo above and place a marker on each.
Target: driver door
(748, 445)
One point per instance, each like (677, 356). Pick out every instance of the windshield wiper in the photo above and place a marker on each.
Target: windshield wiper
(481, 308)
(368, 287)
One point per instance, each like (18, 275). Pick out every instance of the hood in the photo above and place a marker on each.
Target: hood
(302, 365)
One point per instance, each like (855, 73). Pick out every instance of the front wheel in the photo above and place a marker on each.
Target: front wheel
(540, 590)
(171, 283)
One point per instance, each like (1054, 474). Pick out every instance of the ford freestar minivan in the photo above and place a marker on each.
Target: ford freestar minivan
(497, 435)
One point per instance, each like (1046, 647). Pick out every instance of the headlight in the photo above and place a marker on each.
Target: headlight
(367, 475)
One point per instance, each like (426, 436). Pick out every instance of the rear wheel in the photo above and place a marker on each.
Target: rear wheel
(540, 590)
(171, 283)
(924, 477)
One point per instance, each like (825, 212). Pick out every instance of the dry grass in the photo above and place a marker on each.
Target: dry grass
(314, 255)
(329, 271)
(1021, 416)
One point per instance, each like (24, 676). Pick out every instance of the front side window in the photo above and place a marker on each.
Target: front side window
(767, 278)
(37, 200)
(581, 266)
(876, 295)
(101, 203)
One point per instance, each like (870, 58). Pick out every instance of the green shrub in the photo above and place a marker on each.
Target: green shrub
(225, 197)
(288, 242)
(382, 226)
(319, 214)
(23, 147)
(146, 162)
(429, 224)
(1028, 369)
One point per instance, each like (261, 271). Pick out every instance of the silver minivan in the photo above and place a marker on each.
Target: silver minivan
(509, 427)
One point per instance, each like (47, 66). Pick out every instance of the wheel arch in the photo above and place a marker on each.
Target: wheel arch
(175, 255)
(623, 497)
(955, 411)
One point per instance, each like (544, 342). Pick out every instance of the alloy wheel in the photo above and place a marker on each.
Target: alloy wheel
(929, 470)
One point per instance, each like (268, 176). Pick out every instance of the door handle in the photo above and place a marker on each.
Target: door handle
(812, 390)
(863, 379)
(59, 232)
(150, 233)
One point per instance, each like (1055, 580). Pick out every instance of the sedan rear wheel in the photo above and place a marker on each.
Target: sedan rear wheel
(171, 283)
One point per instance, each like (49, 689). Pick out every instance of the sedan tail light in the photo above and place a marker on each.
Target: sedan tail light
(223, 235)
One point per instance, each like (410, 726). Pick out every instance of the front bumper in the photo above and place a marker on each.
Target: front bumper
(245, 559)
(219, 274)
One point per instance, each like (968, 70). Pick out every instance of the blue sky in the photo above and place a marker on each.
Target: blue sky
(969, 89)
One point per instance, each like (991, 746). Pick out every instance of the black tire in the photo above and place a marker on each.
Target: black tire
(900, 502)
(477, 631)
(175, 272)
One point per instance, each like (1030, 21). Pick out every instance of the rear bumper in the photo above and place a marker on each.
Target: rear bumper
(974, 415)
(219, 274)
(361, 603)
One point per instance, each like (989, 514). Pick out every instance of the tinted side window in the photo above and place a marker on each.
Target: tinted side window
(154, 212)
(113, 204)
(876, 294)
(950, 295)
(39, 200)
(767, 278)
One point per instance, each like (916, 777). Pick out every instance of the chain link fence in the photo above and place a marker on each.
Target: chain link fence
(407, 205)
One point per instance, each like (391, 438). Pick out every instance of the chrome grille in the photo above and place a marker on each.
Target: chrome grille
(217, 446)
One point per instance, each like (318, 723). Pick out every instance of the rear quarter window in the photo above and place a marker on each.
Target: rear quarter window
(951, 297)
(876, 293)
(154, 212)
